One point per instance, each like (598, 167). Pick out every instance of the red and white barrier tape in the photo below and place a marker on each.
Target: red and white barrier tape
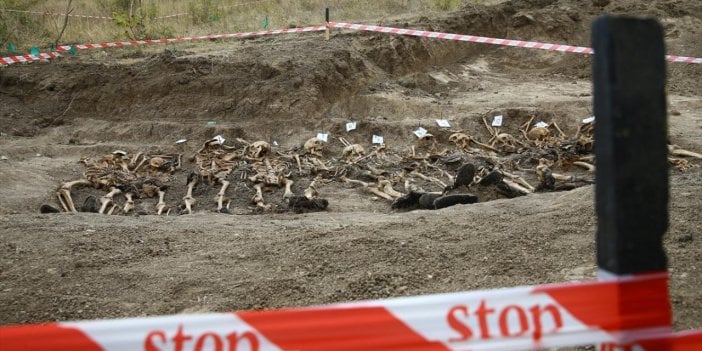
(487, 40)
(29, 58)
(615, 311)
(193, 38)
(46, 13)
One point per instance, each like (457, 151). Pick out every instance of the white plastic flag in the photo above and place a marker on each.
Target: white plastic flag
(443, 123)
(323, 136)
(219, 139)
(350, 126)
(377, 139)
(541, 124)
(497, 121)
(420, 132)
(589, 120)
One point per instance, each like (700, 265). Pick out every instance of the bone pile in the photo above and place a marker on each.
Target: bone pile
(427, 174)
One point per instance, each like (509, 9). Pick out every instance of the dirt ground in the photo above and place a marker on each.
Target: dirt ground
(287, 89)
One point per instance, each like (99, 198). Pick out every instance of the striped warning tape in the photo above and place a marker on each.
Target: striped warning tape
(522, 318)
(488, 40)
(193, 38)
(46, 13)
(29, 58)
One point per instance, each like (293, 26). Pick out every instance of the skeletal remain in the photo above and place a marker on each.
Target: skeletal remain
(258, 149)
(518, 180)
(373, 189)
(107, 199)
(588, 166)
(118, 174)
(215, 162)
(544, 168)
(678, 151)
(353, 152)
(681, 164)
(500, 139)
(462, 141)
(505, 139)
(188, 199)
(269, 172)
(311, 190)
(537, 134)
(314, 146)
(515, 186)
(427, 178)
(427, 141)
(386, 185)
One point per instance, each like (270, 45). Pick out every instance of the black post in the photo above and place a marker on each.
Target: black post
(631, 144)
(327, 31)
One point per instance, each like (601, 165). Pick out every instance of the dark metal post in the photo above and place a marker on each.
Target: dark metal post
(327, 32)
(631, 145)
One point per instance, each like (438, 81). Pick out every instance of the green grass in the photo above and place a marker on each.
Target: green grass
(204, 17)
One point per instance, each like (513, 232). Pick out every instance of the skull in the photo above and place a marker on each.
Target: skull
(427, 139)
(258, 149)
(314, 146)
(354, 150)
(156, 162)
(460, 139)
(538, 133)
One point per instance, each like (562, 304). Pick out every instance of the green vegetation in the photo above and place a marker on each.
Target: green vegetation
(140, 19)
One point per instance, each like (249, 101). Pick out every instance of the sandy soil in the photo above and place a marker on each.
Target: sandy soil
(84, 266)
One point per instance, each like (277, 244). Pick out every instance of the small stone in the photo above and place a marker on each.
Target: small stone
(3, 158)
(675, 113)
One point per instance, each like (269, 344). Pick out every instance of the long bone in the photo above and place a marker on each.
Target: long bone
(220, 194)
(368, 187)
(161, 203)
(108, 199)
(64, 194)
(519, 180)
(188, 199)
(677, 151)
(427, 178)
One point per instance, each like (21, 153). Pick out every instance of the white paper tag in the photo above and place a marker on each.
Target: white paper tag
(219, 139)
(420, 132)
(350, 126)
(589, 120)
(541, 124)
(377, 139)
(323, 136)
(443, 123)
(181, 141)
(275, 143)
(497, 121)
